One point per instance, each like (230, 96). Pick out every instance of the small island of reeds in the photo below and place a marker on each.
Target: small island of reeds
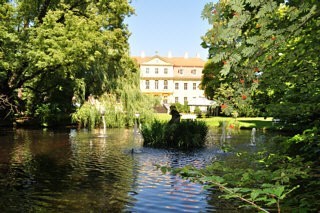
(184, 135)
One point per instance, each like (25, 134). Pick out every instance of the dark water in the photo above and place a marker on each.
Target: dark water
(80, 171)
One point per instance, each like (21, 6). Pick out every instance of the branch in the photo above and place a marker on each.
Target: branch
(5, 104)
(43, 10)
(222, 187)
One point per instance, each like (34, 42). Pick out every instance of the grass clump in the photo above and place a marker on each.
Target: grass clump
(184, 135)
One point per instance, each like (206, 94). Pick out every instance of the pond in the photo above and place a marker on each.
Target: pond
(80, 171)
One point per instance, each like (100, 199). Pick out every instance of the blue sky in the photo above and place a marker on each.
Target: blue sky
(167, 25)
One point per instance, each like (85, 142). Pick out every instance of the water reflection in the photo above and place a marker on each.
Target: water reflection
(78, 171)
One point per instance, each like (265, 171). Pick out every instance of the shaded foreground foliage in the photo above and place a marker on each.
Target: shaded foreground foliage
(281, 176)
(185, 135)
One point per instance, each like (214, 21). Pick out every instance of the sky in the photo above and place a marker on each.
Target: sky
(163, 26)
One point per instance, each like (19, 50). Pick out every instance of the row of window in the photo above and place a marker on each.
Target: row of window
(193, 71)
(156, 84)
(176, 99)
(165, 85)
(165, 71)
(156, 70)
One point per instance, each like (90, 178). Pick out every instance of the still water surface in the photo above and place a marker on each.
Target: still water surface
(81, 171)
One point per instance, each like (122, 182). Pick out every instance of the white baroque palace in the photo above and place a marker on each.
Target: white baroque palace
(173, 79)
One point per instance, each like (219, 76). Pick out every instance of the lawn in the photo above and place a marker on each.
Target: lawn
(244, 123)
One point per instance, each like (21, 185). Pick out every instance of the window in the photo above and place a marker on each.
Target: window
(176, 99)
(176, 85)
(194, 86)
(165, 84)
(185, 86)
(156, 70)
(185, 99)
(180, 71)
(193, 71)
(147, 70)
(165, 71)
(156, 84)
(147, 84)
(165, 99)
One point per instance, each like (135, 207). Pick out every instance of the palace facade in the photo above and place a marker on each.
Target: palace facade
(173, 79)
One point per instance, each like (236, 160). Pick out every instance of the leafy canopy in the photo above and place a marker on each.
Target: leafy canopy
(264, 53)
(54, 53)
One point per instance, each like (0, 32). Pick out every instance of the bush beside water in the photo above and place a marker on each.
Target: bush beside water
(184, 135)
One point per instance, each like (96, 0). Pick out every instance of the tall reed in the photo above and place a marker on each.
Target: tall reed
(185, 135)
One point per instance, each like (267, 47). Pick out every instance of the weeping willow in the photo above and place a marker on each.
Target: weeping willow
(120, 104)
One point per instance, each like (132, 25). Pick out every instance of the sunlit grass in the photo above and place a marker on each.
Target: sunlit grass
(244, 123)
(163, 116)
(257, 122)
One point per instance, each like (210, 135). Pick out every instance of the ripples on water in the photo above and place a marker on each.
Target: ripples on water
(79, 171)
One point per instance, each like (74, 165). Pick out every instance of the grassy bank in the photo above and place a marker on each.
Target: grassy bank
(244, 123)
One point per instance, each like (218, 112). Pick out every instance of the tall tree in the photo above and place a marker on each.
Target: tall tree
(52, 50)
(267, 49)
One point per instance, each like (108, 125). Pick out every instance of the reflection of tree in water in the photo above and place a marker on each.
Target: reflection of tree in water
(103, 171)
(6, 147)
(50, 170)
(180, 159)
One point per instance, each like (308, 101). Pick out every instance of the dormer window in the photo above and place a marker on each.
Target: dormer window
(180, 71)
(193, 71)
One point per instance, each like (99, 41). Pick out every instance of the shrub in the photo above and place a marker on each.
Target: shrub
(183, 108)
(184, 135)
(153, 134)
(197, 111)
(87, 116)
(50, 114)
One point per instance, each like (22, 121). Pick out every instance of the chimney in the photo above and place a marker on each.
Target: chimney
(169, 54)
(186, 55)
(143, 55)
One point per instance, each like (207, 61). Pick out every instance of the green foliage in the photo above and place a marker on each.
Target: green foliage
(154, 134)
(264, 185)
(306, 145)
(185, 135)
(241, 123)
(117, 113)
(182, 108)
(280, 176)
(197, 111)
(87, 116)
(50, 115)
(258, 59)
(59, 52)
